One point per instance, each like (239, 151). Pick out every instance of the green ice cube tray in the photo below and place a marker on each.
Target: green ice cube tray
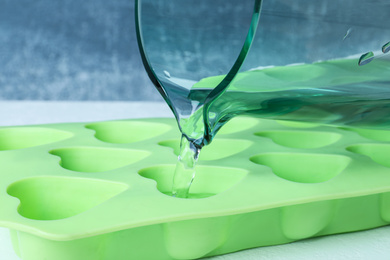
(96, 191)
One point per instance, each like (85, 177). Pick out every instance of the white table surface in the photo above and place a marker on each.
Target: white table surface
(365, 245)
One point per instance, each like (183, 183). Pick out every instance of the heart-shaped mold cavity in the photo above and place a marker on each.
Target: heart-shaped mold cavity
(302, 167)
(96, 159)
(123, 132)
(379, 153)
(25, 137)
(301, 139)
(238, 124)
(220, 148)
(209, 181)
(373, 134)
(295, 73)
(52, 198)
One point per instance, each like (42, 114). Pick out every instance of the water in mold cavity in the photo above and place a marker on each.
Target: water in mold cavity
(192, 195)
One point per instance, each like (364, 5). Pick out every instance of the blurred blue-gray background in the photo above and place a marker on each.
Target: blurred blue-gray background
(87, 50)
(70, 50)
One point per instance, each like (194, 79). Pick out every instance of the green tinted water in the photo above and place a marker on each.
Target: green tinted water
(337, 92)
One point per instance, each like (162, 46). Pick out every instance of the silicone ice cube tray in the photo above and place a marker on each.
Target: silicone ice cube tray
(88, 191)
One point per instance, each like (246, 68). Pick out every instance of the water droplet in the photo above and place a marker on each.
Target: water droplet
(366, 58)
(167, 74)
(386, 48)
(347, 33)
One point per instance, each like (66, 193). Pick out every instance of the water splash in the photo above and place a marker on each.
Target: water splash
(366, 58)
(386, 48)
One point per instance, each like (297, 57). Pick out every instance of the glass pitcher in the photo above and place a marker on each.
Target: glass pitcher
(323, 61)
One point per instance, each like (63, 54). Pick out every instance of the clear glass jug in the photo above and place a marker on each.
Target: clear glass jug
(323, 61)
